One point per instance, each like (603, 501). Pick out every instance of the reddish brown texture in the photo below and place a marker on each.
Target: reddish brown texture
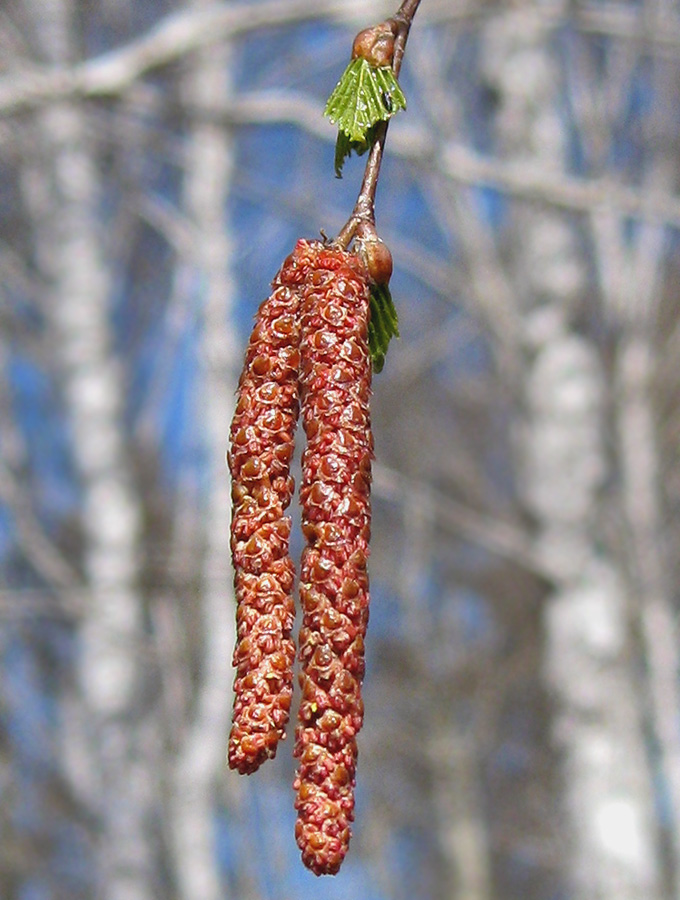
(335, 376)
(376, 45)
(378, 260)
(262, 442)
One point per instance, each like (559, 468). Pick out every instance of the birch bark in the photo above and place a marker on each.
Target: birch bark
(63, 193)
(597, 725)
(633, 272)
(201, 758)
(462, 828)
(632, 291)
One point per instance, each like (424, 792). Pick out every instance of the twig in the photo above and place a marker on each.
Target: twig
(178, 34)
(504, 539)
(115, 71)
(363, 214)
(464, 166)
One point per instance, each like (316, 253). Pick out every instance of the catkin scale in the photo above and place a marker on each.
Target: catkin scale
(261, 448)
(335, 378)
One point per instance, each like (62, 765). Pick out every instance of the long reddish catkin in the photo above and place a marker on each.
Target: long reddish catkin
(262, 443)
(335, 375)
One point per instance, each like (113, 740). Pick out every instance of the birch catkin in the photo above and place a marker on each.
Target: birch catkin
(320, 335)
(335, 377)
(262, 443)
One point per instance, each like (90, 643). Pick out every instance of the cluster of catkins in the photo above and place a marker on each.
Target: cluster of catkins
(308, 354)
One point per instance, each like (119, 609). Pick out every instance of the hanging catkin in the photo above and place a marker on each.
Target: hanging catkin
(262, 443)
(335, 376)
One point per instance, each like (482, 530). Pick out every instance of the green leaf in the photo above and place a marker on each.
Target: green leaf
(364, 95)
(344, 147)
(383, 324)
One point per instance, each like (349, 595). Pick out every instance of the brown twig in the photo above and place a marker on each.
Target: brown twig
(363, 214)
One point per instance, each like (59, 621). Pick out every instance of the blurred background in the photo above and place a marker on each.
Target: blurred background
(158, 160)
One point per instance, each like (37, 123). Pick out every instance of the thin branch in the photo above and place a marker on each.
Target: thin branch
(182, 33)
(188, 31)
(614, 20)
(30, 535)
(504, 539)
(526, 179)
(523, 179)
(43, 554)
(364, 209)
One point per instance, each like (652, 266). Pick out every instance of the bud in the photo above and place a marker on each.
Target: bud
(375, 45)
(262, 440)
(335, 376)
(378, 260)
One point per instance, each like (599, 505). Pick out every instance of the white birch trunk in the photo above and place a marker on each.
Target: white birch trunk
(450, 753)
(201, 758)
(64, 194)
(631, 279)
(462, 830)
(607, 783)
(640, 470)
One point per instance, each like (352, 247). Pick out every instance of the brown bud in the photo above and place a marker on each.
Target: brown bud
(375, 45)
(378, 260)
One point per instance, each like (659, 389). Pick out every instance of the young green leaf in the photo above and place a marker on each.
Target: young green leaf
(344, 147)
(364, 95)
(383, 324)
